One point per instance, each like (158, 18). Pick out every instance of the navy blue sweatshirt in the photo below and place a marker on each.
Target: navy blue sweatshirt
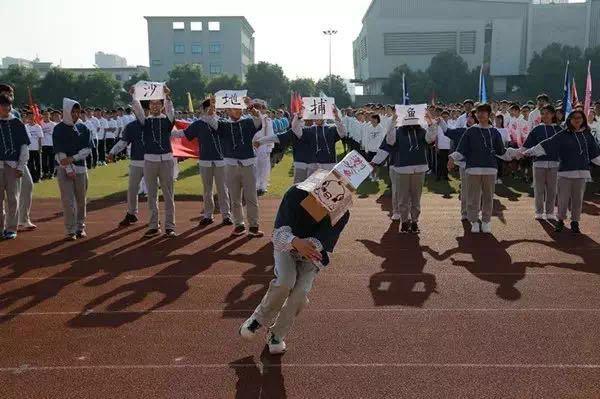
(237, 138)
(575, 149)
(156, 135)
(71, 139)
(480, 146)
(455, 135)
(133, 135)
(320, 141)
(539, 134)
(209, 141)
(292, 214)
(410, 148)
(13, 136)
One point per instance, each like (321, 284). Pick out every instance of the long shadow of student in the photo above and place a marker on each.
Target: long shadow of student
(240, 303)
(81, 267)
(263, 380)
(400, 281)
(491, 262)
(169, 284)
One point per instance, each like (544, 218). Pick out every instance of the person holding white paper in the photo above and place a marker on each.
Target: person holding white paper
(408, 144)
(320, 140)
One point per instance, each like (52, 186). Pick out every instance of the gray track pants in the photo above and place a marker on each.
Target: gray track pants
(300, 174)
(214, 175)
(570, 191)
(545, 184)
(287, 293)
(395, 199)
(481, 197)
(26, 196)
(136, 174)
(464, 193)
(155, 172)
(72, 196)
(10, 188)
(242, 180)
(409, 188)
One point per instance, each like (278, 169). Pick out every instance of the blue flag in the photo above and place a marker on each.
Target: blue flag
(567, 105)
(482, 89)
(405, 96)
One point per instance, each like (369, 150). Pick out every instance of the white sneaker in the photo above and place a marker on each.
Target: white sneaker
(249, 328)
(499, 181)
(27, 226)
(276, 346)
(486, 227)
(539, 216)
(475, 227)
(396, 217)
(551, 216)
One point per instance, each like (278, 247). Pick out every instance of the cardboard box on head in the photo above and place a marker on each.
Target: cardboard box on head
(331, 191)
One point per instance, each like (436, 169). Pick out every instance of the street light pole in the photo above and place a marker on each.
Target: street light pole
(330, 33)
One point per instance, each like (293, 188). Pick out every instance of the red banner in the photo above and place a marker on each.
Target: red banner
(182, 147)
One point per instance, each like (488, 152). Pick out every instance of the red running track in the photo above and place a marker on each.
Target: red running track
(442, 315)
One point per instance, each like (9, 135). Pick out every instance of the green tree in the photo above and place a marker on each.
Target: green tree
(338, 90)
(305, 86)
(98, 89)
(184, 78)
(448, 72)
(21, 78)
(419, 85)
(57, 84)
(267, 82)
(133, 79)
(223, 82)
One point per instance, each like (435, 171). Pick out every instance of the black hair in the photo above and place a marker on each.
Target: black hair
(76, 106)
(5, 100)
(485, 107)
(543, 97)
(6, 87)
(501, 117)
(473, 115)
(570, 117)
(376, 117)
(469, 101)
(206, 104)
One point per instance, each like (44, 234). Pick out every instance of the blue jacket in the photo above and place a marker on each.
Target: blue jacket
(133, 135)
(480, 146)
(455, 135)
(13, 136)
(156, 135)
(211, 148)
(292, 214)
(71, 139)
(575, 149)
(237, 138)
(411, 147)
(539, 134)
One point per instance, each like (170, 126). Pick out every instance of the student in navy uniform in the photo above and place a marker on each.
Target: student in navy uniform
(408, 144)
(320, 140)
(302, 248)
(158, 159)
(72, 145)
(14, 154)
(576, 149)
(132, 135)
(237, 136)
(456, 135)
(480, 147)
(545, 168)
(212, 167)
(9, 91)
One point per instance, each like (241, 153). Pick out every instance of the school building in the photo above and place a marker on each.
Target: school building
(221, 45)
(502, 35)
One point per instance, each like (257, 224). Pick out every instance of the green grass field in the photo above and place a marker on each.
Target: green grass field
(111, 182)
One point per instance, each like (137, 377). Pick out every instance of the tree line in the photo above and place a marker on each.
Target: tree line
(450, 79)
(98, 88)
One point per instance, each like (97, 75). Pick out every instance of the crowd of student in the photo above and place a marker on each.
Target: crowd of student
(236, 154)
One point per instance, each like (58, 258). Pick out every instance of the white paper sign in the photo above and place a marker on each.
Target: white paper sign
(411, 114)
(318, 107)
(149, 90)
(354, 168)
(230, 99)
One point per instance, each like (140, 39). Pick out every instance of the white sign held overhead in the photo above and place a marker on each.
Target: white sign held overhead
(411, 114)
(318, 107)
(144, 90)
(230, 99)
(355, 168)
